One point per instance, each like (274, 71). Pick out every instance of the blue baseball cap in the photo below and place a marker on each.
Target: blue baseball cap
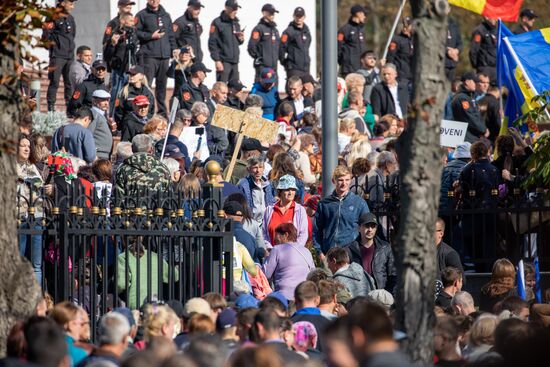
(226, 319)
(278, 295)
(268, 76)
(246, 301)
(126, 313)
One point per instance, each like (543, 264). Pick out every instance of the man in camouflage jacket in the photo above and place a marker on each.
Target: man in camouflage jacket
(141, 173)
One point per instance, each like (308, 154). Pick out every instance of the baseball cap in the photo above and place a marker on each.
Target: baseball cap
(125, 2)
(232, 4)
(268, 75)
(236, 84)
(307, 78)
(99, 64)
(199, 66)
(176, 306)
(368, 218)
(469, 76)
(269, 8)
(358, 9)
(101, 94)
(462, 151)
(226, 319)
(529, 13)
(195, 3)
(252, 144)
(246, 300)
(136, 70)
(233, 208)
(124, 311)
(141, 100)
(196, 305)
(407, 21)
(278, 295)
(299, 12)
(287, 182)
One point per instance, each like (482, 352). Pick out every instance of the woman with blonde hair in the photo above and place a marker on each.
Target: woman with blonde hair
(346, 129)
(360, 149)
(156, 128)
(307, 142)
(158, 321)
(500, 286)
(481, 337)
(70, 318)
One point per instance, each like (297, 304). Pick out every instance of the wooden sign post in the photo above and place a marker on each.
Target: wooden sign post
(244, 124)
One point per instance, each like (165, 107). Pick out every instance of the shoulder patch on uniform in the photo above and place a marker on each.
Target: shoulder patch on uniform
(174, 28)
(76, 94)
(393, 46)
(477, 38)
(255, 35)
(465, 105)
(340, 37)
(212, 28)
(136, 20)
(108, 31)
(48, 25)
(186, 96)
(284, 38)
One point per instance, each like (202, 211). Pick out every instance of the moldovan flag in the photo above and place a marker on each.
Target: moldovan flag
(505, 10)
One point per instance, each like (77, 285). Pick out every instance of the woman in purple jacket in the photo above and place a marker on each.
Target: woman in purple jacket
(288, 263)
(285, 210)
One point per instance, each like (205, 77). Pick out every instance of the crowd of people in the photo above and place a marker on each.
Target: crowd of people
(314, 278)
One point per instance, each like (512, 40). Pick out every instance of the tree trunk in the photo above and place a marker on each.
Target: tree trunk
(19, 290)
(420, 169)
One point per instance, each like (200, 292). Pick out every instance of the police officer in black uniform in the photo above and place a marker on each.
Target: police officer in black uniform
(60, 32)
(263, 45)
(158, 45)
(124, 7)
(453, 49)
(223, 43)
(483, 48)
(466, 109)
(527, 19)
(188, 30)
(351, 41)
(82, 95)
(295, 43)
(193, 90)
(401, 50)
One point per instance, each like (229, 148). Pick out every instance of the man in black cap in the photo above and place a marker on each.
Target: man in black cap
(188, 30)
(401, 51)
(263, 45)
(234, 210)
(124, 6)
(295, 43)
(527, 21)
(60, 31)
(158, 45)
(351, 41)
(250, 148)
(466, 109)
(235, 95)
(82, 95)
(120, 54)
(193, 90)
(483, 48)
(223, 43)
(373, 254)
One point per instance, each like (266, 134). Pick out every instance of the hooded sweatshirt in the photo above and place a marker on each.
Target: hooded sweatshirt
(355, 279)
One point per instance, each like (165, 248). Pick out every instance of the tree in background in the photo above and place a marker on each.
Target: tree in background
(420, 166)
(19, 291)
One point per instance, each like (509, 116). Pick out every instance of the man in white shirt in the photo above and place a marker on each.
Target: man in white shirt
(389, 96)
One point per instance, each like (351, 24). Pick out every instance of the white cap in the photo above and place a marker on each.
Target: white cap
(101, 93)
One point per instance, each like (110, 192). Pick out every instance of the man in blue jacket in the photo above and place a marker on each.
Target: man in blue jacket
(337, 216)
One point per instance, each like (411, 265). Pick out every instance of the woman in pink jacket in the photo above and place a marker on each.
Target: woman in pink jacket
(285, 210)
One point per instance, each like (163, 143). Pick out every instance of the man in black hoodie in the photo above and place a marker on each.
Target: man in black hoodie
(158, 45)
(263, 45)
(295, 43)
(188, 30)
(351, 41)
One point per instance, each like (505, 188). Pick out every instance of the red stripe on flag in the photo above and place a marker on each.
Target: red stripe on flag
(505, 10)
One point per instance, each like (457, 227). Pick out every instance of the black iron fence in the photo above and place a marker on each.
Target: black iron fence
(482, 225)
(104, 251)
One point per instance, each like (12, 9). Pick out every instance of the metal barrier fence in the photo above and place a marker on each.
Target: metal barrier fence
(105, 251)
(481, 225)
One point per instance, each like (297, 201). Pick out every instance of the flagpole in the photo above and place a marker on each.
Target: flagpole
(520, 66)
(395, 22)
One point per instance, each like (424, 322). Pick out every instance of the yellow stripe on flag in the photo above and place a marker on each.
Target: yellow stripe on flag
(526, 90)
(546, 34)
(476, 6)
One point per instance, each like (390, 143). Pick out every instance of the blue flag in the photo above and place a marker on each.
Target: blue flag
(521, 281)
(523, 66)
(538, 291)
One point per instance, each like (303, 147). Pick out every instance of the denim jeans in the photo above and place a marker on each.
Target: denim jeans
(118, 80)
(32, 252)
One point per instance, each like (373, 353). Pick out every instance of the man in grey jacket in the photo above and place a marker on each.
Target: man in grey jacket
(352, 276)
(100, 128)
(81, 68)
